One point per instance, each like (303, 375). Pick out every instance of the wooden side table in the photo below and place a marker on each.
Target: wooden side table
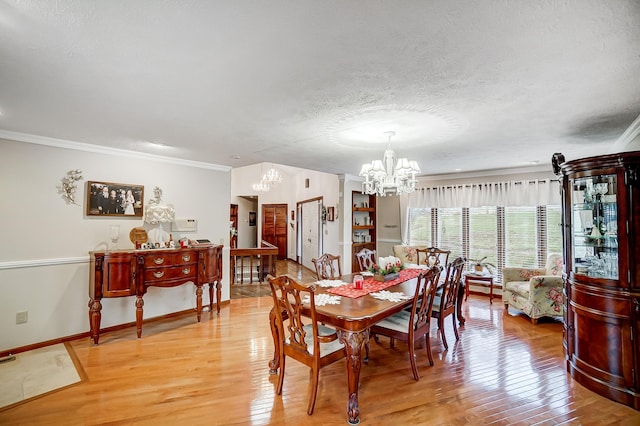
(481, 278)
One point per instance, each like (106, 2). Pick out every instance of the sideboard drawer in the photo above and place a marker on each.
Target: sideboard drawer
(182, 272)
(164, 258)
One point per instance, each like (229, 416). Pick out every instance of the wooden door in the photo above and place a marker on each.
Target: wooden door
(274, 227)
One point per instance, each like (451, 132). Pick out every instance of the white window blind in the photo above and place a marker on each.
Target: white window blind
(507, 236)
(483, 228)
(450, 231)
(419, 227)
(521, 236)
(554, 229)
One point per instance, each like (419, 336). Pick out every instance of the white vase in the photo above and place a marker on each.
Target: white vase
(158, 235)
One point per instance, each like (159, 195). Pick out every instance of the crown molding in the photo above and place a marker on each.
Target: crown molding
(541, 168)
(627, 137)
(98, 149)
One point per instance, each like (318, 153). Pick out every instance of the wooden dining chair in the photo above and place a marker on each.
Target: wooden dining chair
(447, 296)
(327, 267)
(301, 337)
(433, 256)
(366, 259)
(415, 323)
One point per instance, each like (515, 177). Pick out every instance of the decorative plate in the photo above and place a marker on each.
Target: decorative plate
(138, 235)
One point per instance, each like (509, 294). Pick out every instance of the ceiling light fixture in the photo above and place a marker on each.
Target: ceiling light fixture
(389, 175)
(272, 177)
(261, 187)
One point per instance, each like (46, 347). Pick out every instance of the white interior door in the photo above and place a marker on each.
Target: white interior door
(311, 232)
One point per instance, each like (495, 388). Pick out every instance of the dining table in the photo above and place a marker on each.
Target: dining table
(352, 318)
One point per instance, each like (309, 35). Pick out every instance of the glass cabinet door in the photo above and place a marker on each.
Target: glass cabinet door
(595, 226)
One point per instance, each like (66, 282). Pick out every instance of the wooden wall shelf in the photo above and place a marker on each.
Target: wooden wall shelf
(364, 234)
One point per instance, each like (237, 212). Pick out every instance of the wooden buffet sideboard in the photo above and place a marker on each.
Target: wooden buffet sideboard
(120, 273)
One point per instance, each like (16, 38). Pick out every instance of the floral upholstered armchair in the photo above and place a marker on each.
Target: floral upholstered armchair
(407, 254)
(535, 291)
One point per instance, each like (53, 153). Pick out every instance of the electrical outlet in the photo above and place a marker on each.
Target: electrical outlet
(22, 317)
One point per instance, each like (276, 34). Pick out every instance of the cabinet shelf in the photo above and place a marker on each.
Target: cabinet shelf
(362, 245)
(363, 235)
(588, 206)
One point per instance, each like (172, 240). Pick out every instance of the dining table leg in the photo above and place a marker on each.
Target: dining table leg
(353, 342)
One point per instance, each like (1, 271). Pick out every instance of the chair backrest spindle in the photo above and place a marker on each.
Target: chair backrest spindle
(366, 259)
(327, 267)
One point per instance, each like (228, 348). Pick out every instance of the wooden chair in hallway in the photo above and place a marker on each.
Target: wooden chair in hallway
(447, 296)
(411, 325)
(327, 267)
(301, 337)
(366, 259)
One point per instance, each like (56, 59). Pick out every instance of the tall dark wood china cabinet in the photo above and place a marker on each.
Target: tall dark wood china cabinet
(601, 230)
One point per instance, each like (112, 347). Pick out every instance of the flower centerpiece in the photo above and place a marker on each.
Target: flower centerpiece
(387, 268)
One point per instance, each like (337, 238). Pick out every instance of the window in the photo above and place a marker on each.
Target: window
(554, 229)
(520, 226)
(419, 227)
(483, 228)
(507, 236)
(450, 231)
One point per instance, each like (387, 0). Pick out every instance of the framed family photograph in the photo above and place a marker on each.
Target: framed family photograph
(114, 199)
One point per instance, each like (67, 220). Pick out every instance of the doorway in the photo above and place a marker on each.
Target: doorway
(233, 220)
(309, 238)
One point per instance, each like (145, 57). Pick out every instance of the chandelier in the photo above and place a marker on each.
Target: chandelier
(270, 178)
(389, 175)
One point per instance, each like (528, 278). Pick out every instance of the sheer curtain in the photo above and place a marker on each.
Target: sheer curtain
(502, 194)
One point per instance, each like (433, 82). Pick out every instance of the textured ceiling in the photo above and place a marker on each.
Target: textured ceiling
(315, 84)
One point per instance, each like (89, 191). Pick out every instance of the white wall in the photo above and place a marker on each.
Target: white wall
(247, 235)
(291, 191)
(45, 242)
(388, 226)
(348, 184)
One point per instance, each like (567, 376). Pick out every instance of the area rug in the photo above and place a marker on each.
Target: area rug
(35, 373)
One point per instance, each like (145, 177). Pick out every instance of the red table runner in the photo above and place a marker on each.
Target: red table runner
(371, 285)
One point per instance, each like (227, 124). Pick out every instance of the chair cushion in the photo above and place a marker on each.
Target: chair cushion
(325, 348)
(436, 302)
(397, 322)
(518, 287)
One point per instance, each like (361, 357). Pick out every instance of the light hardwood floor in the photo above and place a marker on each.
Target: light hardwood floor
(503, 371)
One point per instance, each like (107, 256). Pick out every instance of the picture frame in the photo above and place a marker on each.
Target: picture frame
(331, 214)
(252, 218)
(114, 199)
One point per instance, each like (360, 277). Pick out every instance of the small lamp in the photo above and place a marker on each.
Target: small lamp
(157, 213)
